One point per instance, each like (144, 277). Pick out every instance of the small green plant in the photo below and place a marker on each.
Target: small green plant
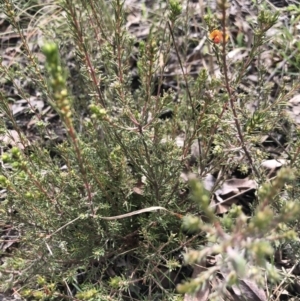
(96, 179)
(244, 247)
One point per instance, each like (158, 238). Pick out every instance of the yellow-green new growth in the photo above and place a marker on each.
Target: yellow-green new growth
(57, 81)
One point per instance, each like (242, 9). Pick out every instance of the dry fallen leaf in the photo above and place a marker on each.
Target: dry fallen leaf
(231, 192)
(274, 163)
(12, 138)
(249, 290)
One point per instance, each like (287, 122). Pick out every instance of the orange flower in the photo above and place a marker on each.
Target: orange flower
(217, 36)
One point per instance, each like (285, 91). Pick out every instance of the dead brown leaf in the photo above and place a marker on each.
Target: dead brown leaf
(249, 290)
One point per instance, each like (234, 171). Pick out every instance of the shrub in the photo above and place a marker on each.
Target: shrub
(96, 167)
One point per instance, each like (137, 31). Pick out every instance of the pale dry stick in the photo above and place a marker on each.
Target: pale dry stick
(49, 249)
(149, 209)
(283, 281)
(112, 218)
(232, 197)
(68, 288)
(64, 226)
(267, 289)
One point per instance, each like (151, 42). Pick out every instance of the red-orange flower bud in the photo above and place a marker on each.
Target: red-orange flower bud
(217, 36)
